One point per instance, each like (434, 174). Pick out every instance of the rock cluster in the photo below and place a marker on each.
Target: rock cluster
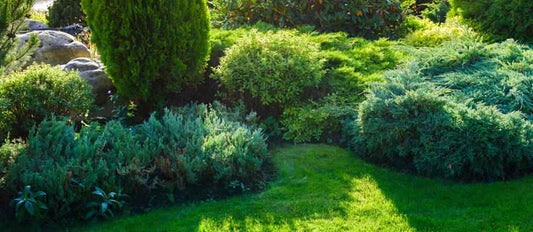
(94, 73)
(60, 48)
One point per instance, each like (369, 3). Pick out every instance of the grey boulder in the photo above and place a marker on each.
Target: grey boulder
(94, 73)
(56, 47)
(35, 25)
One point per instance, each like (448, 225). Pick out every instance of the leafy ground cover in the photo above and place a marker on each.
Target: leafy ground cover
(325, 188)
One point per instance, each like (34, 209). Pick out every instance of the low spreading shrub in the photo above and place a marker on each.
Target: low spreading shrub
(318, 121)
(194, 146)
(64, 13)
(27, 97)
(429, 34)
(463, 111)
(499, 74)
(499, 20)
(375, 18)
(350, 65)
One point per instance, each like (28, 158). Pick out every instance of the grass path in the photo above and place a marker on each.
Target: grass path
(324, 188)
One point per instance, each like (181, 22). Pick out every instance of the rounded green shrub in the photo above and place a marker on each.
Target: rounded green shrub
(150, 49)
(183, 150)
(500, 19)
(64, 13)
(29, 96)
(275, 68)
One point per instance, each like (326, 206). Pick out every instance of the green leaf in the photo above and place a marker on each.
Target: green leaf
(90, 214)
(104, 207)
(30, 208)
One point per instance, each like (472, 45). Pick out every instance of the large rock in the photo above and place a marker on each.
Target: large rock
(35, 25)
(56, 47)
(94, 73)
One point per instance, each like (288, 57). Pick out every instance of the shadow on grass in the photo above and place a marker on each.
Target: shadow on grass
(312, 184)
(442, 205)
(324, 188)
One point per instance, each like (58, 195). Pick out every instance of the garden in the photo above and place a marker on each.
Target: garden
(252, 115)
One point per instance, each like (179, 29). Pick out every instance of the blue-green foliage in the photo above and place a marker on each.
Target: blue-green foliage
(462, 112)
(198, 145)
(499, 74)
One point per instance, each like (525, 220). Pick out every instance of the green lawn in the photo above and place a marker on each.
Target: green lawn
(324, 188)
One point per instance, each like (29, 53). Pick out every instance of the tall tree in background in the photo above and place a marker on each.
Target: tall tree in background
(12, 14)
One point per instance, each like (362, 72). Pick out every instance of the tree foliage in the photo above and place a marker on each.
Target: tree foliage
(65, 12)
(150, 48)
(499, 19)
(12, 15)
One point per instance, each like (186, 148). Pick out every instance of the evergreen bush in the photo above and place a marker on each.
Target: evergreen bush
(430, 34)
(29, 96)
(412, 126)
(274, 68)
(150, 49)
(462, 111)
(8, 152)
(499, 19)
(12, 15)
(64, 13)
(346, 66)
(195, 146)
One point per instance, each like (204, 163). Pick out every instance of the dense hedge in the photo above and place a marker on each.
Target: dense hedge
(27, 97)
(196, 146)
(462, 112)
(150, 49)
(370, 19)
(500, 19)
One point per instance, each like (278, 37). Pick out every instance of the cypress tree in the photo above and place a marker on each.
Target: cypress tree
(150, 47)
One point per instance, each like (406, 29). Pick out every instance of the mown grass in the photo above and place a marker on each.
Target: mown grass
(324, 188)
